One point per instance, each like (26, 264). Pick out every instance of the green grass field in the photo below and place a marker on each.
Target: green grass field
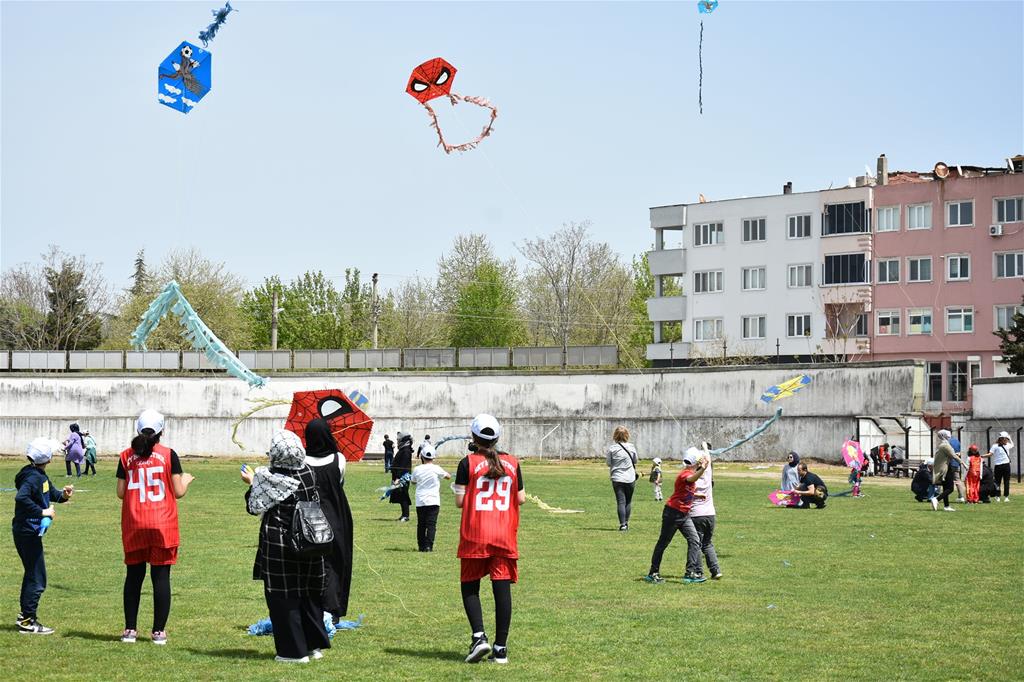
(873, 588)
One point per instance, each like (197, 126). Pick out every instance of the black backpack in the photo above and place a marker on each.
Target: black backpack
(311, 534)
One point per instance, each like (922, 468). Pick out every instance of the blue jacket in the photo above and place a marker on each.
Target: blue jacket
(35, 493)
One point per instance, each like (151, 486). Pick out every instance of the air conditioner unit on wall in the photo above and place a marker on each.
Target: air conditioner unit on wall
(995, 230)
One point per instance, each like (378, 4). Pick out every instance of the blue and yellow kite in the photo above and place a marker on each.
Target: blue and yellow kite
(785, 389)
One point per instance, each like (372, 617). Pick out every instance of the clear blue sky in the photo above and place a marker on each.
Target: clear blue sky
(308, 154)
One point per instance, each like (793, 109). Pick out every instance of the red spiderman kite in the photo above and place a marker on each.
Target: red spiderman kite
(349, 424)
(433, 79)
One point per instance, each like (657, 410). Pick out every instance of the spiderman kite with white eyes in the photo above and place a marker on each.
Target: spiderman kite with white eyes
(433, 79)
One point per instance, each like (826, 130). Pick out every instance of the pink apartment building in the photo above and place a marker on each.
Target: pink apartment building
(948, 267)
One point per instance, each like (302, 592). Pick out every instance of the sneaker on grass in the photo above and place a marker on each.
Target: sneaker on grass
(499, 654)
(654, 578)
(159, 637)
(282, 659)
(694, 578)
(128, 636)
(478, 649)
(31, 626)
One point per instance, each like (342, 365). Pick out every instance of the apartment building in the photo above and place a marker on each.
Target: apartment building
(895, 266)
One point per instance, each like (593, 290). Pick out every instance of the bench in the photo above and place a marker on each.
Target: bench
(907, 467)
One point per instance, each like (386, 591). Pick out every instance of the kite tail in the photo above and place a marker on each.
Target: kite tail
(756, 432)
(465, 146)
(219, 17)
(445, 439)
(700, 64)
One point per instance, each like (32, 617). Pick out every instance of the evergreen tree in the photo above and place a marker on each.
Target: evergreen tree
(70, 325)
(140, 276)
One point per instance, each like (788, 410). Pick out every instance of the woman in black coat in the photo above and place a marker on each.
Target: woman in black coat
(329, 466)
(292, 585)
(401, 465)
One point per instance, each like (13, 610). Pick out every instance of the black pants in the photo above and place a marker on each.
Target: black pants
(809, 500)
(78, 467)
(947, 487)
(387, 461)
(1002, 471)
(673, 520)
(298, 625)
(30, 549)
(502, 590)
(426, 526)
(160, 576)
(89, 465)
(623, 500)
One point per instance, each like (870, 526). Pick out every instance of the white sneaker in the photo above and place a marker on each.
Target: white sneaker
(960, 499)
(948, 509)
(316, 655)
(282, 659)
(935, 503)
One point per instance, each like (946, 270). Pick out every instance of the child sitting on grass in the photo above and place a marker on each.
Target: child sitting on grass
(32, 504)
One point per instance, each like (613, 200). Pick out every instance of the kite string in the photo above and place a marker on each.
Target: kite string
(385, 585)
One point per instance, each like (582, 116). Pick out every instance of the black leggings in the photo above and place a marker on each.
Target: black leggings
(947, 488)
(89, 465)
(161, 577)
(502, 590)
(623, 500)
(78, 467)
(1002, 471)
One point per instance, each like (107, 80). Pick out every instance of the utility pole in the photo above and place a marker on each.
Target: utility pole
(776, 350)
(274, 310)
(375, 309)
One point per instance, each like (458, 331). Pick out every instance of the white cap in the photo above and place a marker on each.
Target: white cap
(427, 452)
(40, 450)
(150, 419)
(485, 427)
(930, 461)
(1004, 434)
(656, 460)
(691, 456)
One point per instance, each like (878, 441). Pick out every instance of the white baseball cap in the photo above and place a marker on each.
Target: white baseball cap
(40, 450)
(1004, 434)
(656, 460)
(150, 419)
(691, 456)
(485, 427)
(427, 452)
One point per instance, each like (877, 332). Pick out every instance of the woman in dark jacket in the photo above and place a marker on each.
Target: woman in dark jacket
(292, 586)
(329, 466)
(401, 465)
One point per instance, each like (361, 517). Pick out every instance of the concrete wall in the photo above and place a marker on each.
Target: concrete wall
(998, 406)
(665, 410)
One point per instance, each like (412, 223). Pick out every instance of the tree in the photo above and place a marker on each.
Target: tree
(140, 277)
(1012, 343)
(357, 310)
(409, 318)
(214, 292)
(60, 304)
(486, 310)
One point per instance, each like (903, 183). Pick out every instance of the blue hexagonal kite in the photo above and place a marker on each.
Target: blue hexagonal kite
(185, 76)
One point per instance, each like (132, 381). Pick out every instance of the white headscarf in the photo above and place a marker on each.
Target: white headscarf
(270, 489)
(943, 434)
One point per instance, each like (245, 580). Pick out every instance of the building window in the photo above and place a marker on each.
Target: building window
(754, 279)
(889, 271)
(919, 217)
(799, 226)
(846, 268)
(798, 325)
(707, 234)
(919, 269)
(754, 327)
(888, 219)
(1004, 315)
(888, 323)
(846, 218)
(959, 213)
(919, 321)
(1009, 210)
(1010, 264)
(753, 230)
(935, 382)
(956, 379)
(800, 276)
(707, 329)
(844, 320)
(861, 326)
(958, 268)
(959, 320)
(707, 282)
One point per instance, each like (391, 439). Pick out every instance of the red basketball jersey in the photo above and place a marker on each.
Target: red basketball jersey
(149, 511)
(490, 511)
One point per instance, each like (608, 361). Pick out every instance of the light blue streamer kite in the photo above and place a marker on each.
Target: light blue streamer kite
(265, 627)
(445, 439)
(756, 432)
(388, 489)
(194, 329)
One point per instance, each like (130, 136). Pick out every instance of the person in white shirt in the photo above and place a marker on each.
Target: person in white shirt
(702, 513)
(427, 479)
(1000, 454)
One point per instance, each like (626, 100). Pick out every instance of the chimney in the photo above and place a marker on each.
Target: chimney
(787, 188)
(883, 170)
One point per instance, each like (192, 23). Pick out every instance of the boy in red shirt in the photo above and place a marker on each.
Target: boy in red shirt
(488, 544)
(676, 516)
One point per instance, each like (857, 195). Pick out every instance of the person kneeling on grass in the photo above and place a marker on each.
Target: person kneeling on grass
(32, 504)
(921, 484)
(812, 489)
(676, 516)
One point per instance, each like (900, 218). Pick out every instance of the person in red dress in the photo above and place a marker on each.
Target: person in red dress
(973, 474)
(149, 483)
(489, 489)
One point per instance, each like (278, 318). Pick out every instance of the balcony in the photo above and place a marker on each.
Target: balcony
(667, 262)
(666, 309)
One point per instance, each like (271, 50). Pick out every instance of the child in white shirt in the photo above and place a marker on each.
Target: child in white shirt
(427, 479)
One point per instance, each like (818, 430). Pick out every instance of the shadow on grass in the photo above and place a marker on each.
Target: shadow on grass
(94, 636)
(400, 549)
(242, 654)
(606, 530)
(422, 653)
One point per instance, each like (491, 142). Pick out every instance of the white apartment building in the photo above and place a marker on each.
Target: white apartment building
(784, 275)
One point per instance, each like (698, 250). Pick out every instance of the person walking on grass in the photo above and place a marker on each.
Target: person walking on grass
(401, 465)
(293, 585)
(703, 515)
(676, 517)
(389, 452)
(1000, 454)
(942, 474)
(488, 544)
(655, 478)
(150, 482)
(33, 504)
(74, 451)
(90, 453)
(427, 479)
(621, 459)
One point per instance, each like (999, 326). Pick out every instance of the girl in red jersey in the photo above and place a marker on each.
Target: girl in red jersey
(493, 484)
(149, 483)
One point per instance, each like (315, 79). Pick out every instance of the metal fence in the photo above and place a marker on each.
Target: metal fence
(284, 360)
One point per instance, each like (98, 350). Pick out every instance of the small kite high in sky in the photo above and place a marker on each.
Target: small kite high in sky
(185, 76)
(432, 79)
(785, 389)
(704, 7)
